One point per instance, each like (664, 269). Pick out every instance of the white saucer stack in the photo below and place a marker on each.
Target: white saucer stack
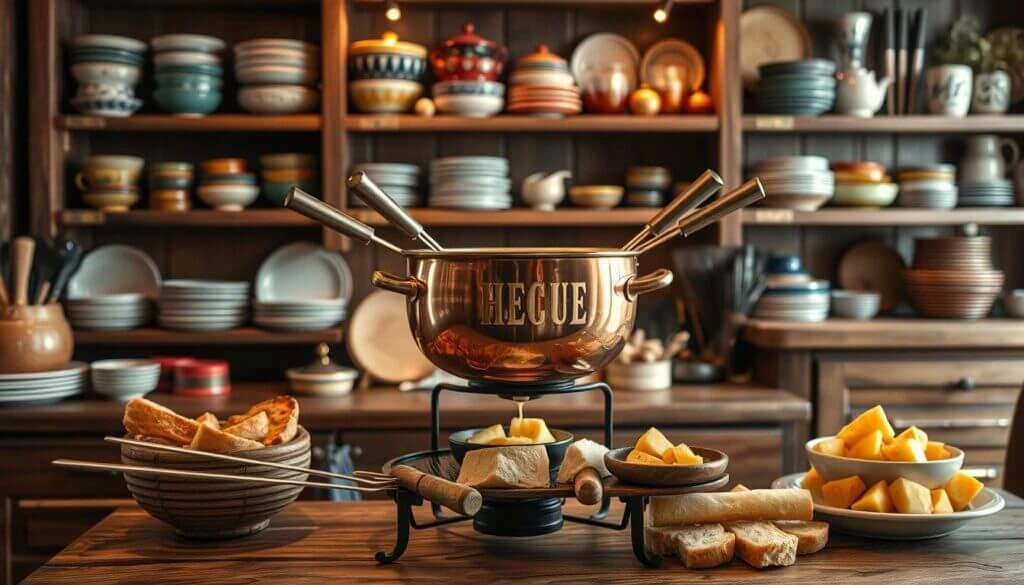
(44, 387)
(470, 182)
(399, 180)
(203, 305)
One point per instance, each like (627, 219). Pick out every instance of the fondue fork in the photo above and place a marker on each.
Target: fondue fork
(304, 203)
(706, 185)
(382, 203)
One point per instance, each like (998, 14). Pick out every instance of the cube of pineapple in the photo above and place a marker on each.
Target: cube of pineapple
(910, 497)
(812, 480)
(876, 499)
(904, 450)
(485, 436)
(653, 443)
(961, 489)
(681, 454)
(867, 421)
(534, 428)
(840, 493)
(868, 447)
(915, 434)
(834, 446)
(511, 441)
(940, 502)
(936, 450)
(638, 456)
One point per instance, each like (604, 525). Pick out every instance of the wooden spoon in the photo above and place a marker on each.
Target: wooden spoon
(22, 250)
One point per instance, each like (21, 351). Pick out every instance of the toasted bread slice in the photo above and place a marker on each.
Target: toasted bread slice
(217, 441)
(283, 412)
(762, 544)
(704, 546)
(145, 417)
(253, 428)
(813, 536)
(209, 419)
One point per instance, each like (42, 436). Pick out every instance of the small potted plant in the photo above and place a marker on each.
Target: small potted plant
(949, 82)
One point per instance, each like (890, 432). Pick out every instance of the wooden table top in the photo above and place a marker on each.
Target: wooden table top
(885, 333)
(387, 408)
(321, 542)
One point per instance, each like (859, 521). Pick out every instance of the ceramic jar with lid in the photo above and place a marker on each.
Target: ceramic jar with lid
(386, 58)
(468, 57)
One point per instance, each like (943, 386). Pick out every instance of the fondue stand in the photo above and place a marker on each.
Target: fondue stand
(521, 324)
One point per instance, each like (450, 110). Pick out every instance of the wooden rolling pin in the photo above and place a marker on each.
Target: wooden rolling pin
(456, 497)
(588, 487)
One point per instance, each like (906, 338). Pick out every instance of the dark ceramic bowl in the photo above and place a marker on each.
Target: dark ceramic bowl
(784, 265)
(714, 466)
(182, 101)
(460, 445)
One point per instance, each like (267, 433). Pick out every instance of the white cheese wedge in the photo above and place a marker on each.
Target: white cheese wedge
(581, 455)
(506, 467)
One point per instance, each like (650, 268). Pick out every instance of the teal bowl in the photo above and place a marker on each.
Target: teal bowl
(196, 68)
(189, 81)
(181, 101)
(274, 191)
(229, 179)
(110, 55)
(169, 183)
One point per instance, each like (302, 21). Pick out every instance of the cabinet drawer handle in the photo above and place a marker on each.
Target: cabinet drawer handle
(982, 472)
(965, 384)
(954, 423)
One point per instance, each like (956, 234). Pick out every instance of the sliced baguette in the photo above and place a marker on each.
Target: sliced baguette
(704, 546)
(283, 412)
(812, 536)
(145, 417)
(762, 544)
(216, 441)
(661, 540)
(254, 428)
(209, 419)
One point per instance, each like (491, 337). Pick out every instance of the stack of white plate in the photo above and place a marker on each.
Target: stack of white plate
(470, 182)
(113, 289)
(997, 193)
(399, 180)
(808, 301)
(803, 183)
(203, 305)
(44, 387)
(123, 380)
(302, 287)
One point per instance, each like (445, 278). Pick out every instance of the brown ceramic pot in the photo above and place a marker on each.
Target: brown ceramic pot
(34, 339)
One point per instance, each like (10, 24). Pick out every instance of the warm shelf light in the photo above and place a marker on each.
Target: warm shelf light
(662, 11)
(393, 12)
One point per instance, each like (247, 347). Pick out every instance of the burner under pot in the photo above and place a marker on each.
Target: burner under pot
(519, 517)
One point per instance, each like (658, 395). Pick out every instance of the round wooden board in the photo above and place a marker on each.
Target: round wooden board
(874, 266)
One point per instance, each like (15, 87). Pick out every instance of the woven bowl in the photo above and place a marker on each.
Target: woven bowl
(211, 509)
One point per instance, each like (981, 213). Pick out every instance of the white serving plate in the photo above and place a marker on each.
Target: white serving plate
(676, 52)
(115, 270)
(381, 343)
(303, 271)
(893, 526)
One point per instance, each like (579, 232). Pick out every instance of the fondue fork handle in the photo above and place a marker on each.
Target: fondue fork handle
(706, 185)
(454, 496)
(299, 201)
(361, 183)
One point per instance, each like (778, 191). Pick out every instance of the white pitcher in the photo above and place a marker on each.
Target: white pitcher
(984, 162)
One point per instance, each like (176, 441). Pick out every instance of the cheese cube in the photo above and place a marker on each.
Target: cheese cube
(485, 436)
(511, 441)
(915, 434)
(936, 450)
(534, 428)
(876, 499)
(867, 421)
(834, 446)
(841, 493)
(868, 447)
(813, 480)
(910, 497)
(681, 454)
(961, 489)
(638, 456)
(940, 502)
(905, 450)
(653, 443)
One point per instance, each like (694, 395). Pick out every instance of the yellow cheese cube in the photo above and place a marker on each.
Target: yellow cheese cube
(653, 443)
(681, 454)
(869, 420)
(841, 493)
(638, 456)
(936, 450)
(534, 428)
(813, 480)
(940, 502)
(485, 436)
(876, 499)
(961, 489)
(910, 497)
(511, 441)
(834, 446)
(868, 447)
(904, 450)
(915, 434)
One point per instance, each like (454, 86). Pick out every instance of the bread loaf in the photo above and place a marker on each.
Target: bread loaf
(711, 508)
(506, 467)
(762, 544)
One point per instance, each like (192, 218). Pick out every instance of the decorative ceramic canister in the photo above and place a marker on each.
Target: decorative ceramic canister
(387, 58)
(991, 93)
(468, 57)
(949, 90)
(853, 30)
(983, 162)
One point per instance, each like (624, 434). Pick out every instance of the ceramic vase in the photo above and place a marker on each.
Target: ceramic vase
(949, 90)
(991, 93)
(983, 162)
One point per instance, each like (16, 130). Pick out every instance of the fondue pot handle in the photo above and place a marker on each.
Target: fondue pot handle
(639, 285)
(454, 496)
(409, 286)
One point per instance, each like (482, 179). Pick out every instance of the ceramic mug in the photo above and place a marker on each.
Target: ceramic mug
(983, 162)
(991, 93)
(98, 178)
(949, 90)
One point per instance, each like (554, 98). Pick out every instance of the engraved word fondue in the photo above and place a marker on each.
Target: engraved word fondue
(537, 303)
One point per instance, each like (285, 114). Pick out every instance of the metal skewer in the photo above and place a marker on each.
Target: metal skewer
(304, 203)
(360, 183)
(389, 481)
(706, 185)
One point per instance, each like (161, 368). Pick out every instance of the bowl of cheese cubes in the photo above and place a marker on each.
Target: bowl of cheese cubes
(655, 461)
(521, 431)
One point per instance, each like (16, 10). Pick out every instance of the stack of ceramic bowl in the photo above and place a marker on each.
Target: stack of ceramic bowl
(542, 85)
(791, 294)
(302, 287)
(862, 184)
(995, 193)
(646, 186)
(385, 75)
(203, 305)
(106, 67)
(281, 172)
(399, 180)
(169, 185)
(953, 278)
(123, 380)
(110, 182)
(44, 387)
(803, 183)
(470, 182)
(113, 289)
(928, 186)
(474, 99)
(226, 184)
(189, 74)
(797, 88)
(277, 76)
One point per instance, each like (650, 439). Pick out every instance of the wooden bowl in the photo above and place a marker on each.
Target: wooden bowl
(210, 509)
(714, 466)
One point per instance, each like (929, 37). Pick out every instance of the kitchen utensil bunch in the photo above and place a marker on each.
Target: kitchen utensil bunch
(470, 182)
(804, 183)
(400, 180)
(953, 277)
(203, 305)
(903, 57)
(188, 73)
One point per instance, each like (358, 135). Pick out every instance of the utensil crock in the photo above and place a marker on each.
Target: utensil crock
(34, 338)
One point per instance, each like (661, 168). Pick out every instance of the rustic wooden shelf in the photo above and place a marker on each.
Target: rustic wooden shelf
(886, 332)
(884, 217)
(917, 124)
(211, 123)
(240, 336)
(526, 124)
(518, 217)
(199, 218)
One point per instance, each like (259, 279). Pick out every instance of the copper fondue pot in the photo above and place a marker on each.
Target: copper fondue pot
(522, 315)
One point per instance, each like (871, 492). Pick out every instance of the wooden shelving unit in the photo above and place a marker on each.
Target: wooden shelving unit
(240, 336)
(211, 123)
(526, 124)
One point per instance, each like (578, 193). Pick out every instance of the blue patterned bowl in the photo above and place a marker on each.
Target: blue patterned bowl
(114, 107)
(386, 66)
